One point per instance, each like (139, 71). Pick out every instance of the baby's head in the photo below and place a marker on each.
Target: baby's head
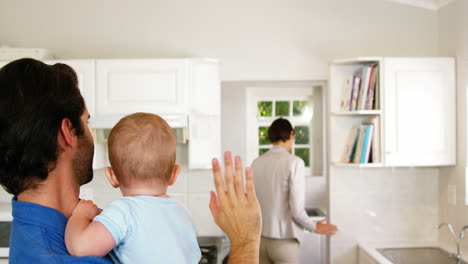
(142, 152)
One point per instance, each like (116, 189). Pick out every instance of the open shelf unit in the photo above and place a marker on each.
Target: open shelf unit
(342, 121)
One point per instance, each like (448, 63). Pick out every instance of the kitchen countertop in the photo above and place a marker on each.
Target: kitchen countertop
(370, 248)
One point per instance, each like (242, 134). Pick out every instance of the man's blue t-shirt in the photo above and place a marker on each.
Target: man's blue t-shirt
(38, 236)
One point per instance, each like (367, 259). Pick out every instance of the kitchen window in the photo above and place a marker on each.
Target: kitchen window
(298, 111)
(302, 103)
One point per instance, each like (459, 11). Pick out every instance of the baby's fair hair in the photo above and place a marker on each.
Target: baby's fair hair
(142, 147)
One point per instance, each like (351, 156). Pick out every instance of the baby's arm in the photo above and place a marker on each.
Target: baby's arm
(85, 237)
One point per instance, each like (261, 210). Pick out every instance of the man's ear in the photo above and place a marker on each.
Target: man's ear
(112, 178)
(174, 174)
(65, 135)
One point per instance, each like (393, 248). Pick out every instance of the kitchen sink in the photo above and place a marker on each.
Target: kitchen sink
(421, 255)
(315, 212)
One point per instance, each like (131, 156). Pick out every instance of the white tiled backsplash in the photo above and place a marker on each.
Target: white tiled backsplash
(382, 205)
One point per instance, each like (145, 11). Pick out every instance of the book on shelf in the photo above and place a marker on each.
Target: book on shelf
(366, 147)
(359, 143)
(376, 103)
(372, 86)
(361, 89)
(366, 76)
(363, 143)
(376, 158)
(347, 155)
(347, 94)
(355, 93)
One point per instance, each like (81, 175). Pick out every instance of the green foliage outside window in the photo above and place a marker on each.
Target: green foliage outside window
(299, 107)
(304, 154)
(265, 108)
(262, 151)
(263, 136)
(301, 135)
(282, 108)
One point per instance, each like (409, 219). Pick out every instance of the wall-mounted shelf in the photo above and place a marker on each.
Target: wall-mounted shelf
(357, 165)
(360, 112)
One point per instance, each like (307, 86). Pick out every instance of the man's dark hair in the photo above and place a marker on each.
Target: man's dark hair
(280, 129)
(34, 99)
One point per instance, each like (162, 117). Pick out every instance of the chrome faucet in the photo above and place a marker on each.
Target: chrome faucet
(462, 234)
(457, 257)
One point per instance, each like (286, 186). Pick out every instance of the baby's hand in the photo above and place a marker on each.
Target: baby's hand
(87, 209)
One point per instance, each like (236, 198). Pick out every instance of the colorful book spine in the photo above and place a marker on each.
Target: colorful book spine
(367, 72)
(356, 85)
(360, 141)
(376, 157)
(369, 143)
(364, 144)
(345, 97)
(369, 105)
(350, 145)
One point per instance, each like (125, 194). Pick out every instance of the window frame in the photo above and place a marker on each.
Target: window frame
(265, 121)
(273, 90)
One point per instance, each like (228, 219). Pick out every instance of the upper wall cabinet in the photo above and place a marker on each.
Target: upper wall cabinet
(205, 114)
(420, 119)
(392, 112)
(186, 92)
(142, 85)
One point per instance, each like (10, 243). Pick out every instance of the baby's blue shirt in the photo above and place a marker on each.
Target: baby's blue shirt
(149, 229)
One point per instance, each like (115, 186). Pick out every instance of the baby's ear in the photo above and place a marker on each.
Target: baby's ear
(174, 174)
(112, 178)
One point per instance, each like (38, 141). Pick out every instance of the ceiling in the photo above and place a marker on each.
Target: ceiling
(428, 4)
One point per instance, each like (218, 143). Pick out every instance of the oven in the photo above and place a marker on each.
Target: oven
(214, 250)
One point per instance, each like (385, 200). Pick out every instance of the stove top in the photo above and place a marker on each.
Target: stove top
(214, 249)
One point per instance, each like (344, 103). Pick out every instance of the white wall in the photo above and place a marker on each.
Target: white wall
(454, 42)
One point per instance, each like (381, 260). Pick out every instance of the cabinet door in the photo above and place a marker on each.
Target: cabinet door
(205, 87)
(311, 249)
(85, 72)
(205, 117)
(152, 85)
(419, 111)
(204, 140)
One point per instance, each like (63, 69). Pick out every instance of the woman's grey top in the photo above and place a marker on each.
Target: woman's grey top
(280, 187)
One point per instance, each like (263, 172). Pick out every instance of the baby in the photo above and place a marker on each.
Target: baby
(145, 225)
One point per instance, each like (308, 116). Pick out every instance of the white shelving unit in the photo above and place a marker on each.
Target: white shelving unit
(341, 122)
(416, 110)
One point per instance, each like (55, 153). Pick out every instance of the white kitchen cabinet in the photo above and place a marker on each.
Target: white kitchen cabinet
(185, 92)
(205, 114)
(419, 101)
(204, 140)
(125, 86)
(415, 112)
(311, 248)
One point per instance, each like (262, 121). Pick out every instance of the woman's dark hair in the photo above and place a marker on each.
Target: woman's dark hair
(34, 98)
(280, 129)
